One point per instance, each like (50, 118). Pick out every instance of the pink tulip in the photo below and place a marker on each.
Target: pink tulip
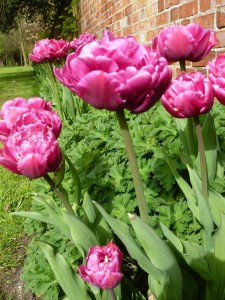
(49, 49)
(178, 43)
(189, 95)
(216, 70)
(31, 152)
(116, 73)
(41, 110)
(82, 40)
(103, 266)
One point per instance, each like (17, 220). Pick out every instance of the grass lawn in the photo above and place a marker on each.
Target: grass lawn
(17, 82)
(14, 82)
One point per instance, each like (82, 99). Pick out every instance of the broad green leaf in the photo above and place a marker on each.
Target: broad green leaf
(216, 203)
(219, 257)
(96, 222)
(35, 216)
(188, 137)
(210, 145)
(73, 286)
(160, 255)
(186, 189)
(159, 279)
(193, 254)
(75, 177)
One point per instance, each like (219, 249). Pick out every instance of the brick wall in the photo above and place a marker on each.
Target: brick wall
(144, 18)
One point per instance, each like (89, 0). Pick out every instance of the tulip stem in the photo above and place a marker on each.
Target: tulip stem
(61, 196)
(134, 166)
(202, 157)
(112, 294)
(182, 65)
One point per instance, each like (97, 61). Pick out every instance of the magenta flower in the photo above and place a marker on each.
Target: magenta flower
(216, 70)
(103, 266)
(188, 95)
(116, 73)
(178, 43)
(41, 110)
(31, 151)
(82, 40)
(49, 49)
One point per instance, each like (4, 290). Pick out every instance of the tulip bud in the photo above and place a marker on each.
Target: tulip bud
(102, 267)
(188, 95)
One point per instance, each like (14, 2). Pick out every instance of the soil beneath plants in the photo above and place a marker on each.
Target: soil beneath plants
(11, 286)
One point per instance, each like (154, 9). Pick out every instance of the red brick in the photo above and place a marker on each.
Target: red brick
(162, 19)
(219, 2)
(169, 3)
(205, 5)
(160, 5)
(185, 22)
(221, 38)
(189, 9)
(134, 17)
(204, 61)
(220, 19)
(128, 10)
(174, 14)
(207, 21)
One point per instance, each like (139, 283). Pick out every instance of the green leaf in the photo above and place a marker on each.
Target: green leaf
(160, 255)
(96, 222)
(159, 279)
(185, 187)
(219, 257)
(71, 283)
(193, 254)
(210, 145)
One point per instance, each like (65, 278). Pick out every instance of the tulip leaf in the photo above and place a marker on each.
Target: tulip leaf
(159, 279)
(95, 221)
(34, 215)
(160, 255)
(188, 137)
(216, 203)
(193, 254)
(75, 178)
(219, 257)
(73, 286)
(210, 145)
(185, 187)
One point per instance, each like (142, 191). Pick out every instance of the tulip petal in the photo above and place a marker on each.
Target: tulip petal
(33, 165)
(100, 90)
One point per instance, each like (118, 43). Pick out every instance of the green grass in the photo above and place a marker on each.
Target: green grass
(14, 82)
(17, 82)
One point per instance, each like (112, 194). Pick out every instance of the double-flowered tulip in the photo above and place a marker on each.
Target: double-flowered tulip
(179, 43)
(189, 95)
(28, 132)
(116, 73)
(216, 70)
(103, 266)
(82, 40)
(49, 49)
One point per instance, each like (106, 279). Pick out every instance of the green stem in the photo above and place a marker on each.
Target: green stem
(191, 139)
(134, 166)
(202, 157)
(112, 294)
(61, 196)
(182, 65)
(55, 91)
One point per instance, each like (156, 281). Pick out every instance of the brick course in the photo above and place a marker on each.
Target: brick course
(144, 18)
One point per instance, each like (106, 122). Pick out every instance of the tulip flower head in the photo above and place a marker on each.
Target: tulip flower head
(189, 95)
(49, 49)
(179, 43)
(116, 73)
(28, 132)
(82, 40)
(216, 70)
(102, 267)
